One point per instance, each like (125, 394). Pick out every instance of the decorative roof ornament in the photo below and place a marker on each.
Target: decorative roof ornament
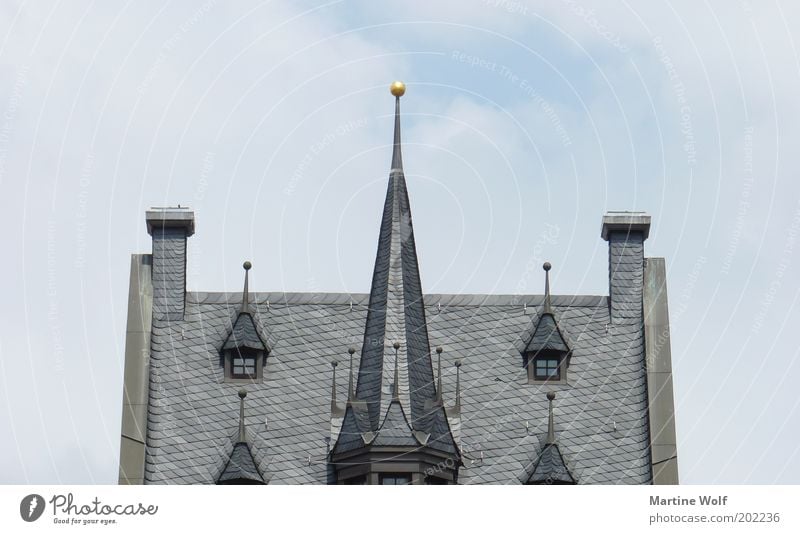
(242, 434)
(398, 89)
(245, 334)
(335, 410)
(396, 384)
(351, 396)
(547, 335)
(439, 375)
(241, 467)
(458, 384)
(551, 433)
(550, 467)
(547, 305)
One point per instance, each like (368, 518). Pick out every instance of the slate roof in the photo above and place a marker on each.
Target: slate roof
(244, 334)
(547, 336)
(602, 411)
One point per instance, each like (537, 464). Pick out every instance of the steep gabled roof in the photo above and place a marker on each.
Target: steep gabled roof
(244, 334)
(550, 467)
(396, 331)
(241, 466)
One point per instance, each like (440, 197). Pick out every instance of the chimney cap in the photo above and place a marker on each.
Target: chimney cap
(625, 221)
(170, 217)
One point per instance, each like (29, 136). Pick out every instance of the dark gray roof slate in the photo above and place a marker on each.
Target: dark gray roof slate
(241, 466)
(192, 409)
(244, 334)
(550, 467)
(547, 336)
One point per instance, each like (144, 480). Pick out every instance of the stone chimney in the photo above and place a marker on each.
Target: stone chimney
(169, 228)
(625, 232)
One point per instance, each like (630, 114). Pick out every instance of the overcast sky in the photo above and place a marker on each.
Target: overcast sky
(523, 122)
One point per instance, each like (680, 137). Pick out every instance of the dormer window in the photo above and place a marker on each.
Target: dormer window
(244, 351)
(547, 352)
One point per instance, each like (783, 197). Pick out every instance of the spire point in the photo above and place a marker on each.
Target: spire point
(246, 291)
(350, 392)
(242, 435)
(458, 384)
(439, 374)
(551, 433)
(547, 305)
(398, 89)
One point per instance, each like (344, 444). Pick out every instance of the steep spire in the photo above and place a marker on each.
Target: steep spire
(439, 375)
(350, 392)
(458, 384)
(398, 89)
(551, 433)
(242, 435)
(334, 405)
(547, 306)
(246, 291)
(396, 382)
(396, 314)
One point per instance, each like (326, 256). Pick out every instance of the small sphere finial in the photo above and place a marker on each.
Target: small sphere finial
(547, 266)
(439, 350)
(334, 363)
(396, 345)
(242, 393)
(398, 89)
(247, 265)
(351, 351)
(458, 363)
(551, 396)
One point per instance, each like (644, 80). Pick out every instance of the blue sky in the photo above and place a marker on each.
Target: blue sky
(524, 121)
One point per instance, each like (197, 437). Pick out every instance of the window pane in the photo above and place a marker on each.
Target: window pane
(395, 480)
(244, 366)
(545, 368)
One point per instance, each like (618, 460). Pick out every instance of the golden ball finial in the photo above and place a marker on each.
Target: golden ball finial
(398, 89)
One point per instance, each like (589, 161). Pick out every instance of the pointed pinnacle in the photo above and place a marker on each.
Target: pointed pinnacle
(246, 292)
(397, 156)
(551, 433)
(242, 434)
(439, 376)
(547, 305)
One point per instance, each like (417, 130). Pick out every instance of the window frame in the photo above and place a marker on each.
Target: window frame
(248, 361)
(244, 354)
(561, 367)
